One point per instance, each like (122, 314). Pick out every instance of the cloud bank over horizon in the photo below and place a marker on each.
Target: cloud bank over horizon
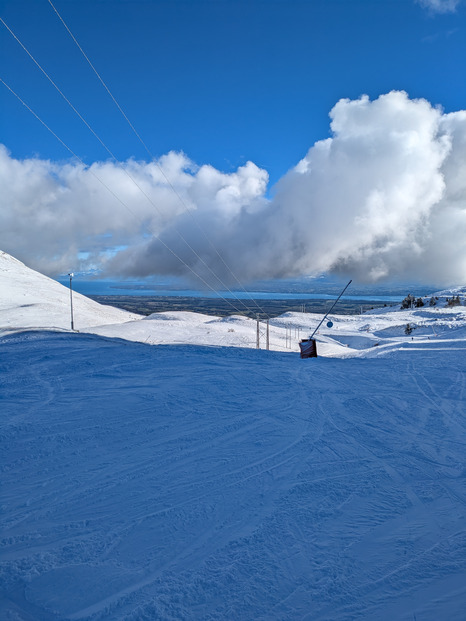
(383, 198)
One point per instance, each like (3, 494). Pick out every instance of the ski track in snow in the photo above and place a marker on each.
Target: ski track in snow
(192, 481)
(180, 482)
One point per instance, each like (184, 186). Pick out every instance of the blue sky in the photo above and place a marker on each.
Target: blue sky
(270, 120)
(224, 81)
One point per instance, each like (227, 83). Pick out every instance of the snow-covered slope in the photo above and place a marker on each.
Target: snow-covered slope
(29, 299)
(350, 335)
(184, 483)
(224, 483)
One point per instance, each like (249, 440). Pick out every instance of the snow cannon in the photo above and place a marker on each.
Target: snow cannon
(308, 348)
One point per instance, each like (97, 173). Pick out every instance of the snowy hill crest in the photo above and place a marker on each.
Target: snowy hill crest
(29, 299)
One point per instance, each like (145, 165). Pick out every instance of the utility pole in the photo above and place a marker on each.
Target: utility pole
(257, 333)
(71, 299)
(267, 340)
(289, 329)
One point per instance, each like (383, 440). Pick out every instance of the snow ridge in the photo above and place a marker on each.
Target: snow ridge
(220, 482)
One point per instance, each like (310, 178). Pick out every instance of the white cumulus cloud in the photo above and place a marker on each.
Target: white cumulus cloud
(51, 214)
(383, 197)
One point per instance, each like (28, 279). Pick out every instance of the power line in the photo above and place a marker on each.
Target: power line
(154, 235)
(188, 209)
(122, 168)
(101, 80)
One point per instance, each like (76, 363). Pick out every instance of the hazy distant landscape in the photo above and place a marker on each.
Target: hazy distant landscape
(145, 305)
(271, 297)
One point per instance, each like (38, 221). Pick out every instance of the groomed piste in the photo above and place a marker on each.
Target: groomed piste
(191, 476)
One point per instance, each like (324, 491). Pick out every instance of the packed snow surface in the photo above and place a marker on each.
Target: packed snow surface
(215, 481)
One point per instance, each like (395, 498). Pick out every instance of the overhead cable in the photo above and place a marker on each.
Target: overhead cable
(187, 208)
(153, 234)
(122, 168)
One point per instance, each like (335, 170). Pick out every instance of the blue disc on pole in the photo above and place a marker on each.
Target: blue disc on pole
(329, 324)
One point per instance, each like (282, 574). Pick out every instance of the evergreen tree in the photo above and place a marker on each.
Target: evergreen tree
(408, 302)
(454, 301)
